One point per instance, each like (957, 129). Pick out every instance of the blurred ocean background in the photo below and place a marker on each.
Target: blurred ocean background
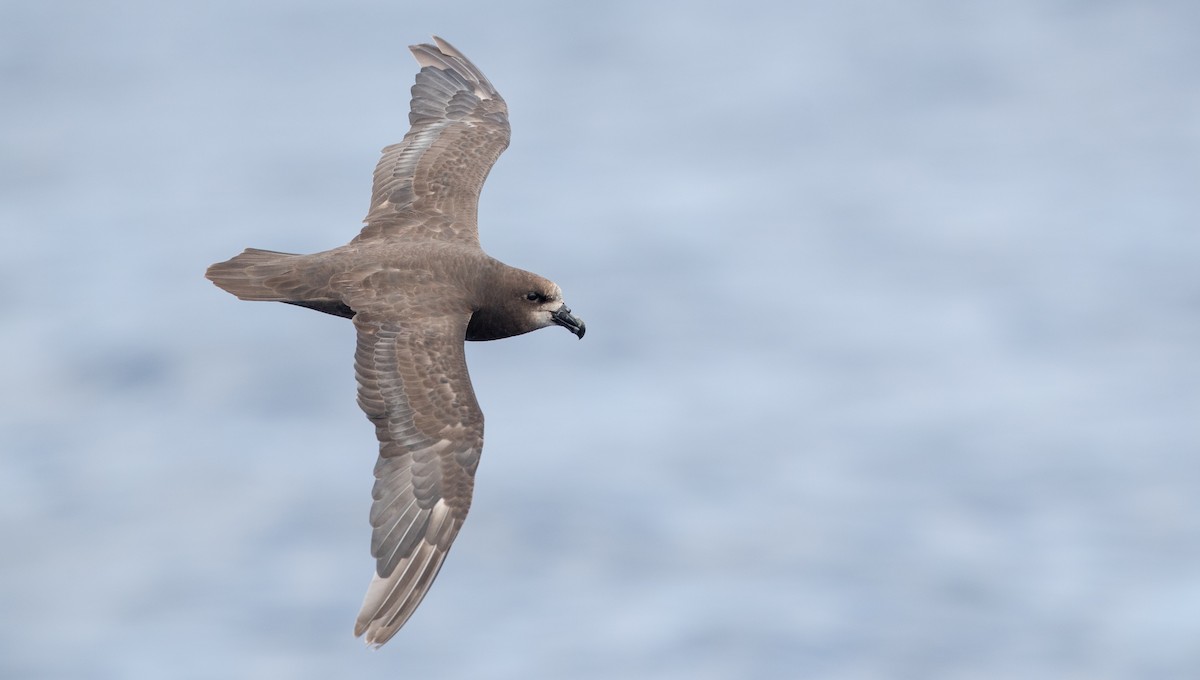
(892, 366)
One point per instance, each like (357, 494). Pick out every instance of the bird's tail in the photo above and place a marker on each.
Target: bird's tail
(259, 275)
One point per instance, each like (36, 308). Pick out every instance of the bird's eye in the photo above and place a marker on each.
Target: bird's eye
(534, 296)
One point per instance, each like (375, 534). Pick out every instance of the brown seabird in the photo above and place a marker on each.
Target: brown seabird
(417, 284)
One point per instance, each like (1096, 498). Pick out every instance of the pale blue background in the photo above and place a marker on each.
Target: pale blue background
(892, 371)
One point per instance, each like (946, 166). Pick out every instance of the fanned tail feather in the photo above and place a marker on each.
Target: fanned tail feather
(258, 275)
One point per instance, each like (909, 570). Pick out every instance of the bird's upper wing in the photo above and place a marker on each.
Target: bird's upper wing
(413, 384)
(427, 186)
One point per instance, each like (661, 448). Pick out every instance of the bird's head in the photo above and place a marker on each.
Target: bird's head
(520, 303)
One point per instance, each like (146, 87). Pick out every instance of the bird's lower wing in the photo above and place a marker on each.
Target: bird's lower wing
(413, 385)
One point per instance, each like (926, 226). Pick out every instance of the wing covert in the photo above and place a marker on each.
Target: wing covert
(414, 386)
(427, 186)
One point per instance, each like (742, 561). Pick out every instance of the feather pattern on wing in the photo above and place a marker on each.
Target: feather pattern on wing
(427, 186)
(414, 386)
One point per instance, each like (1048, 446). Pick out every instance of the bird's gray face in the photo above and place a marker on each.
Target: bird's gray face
(550, 310)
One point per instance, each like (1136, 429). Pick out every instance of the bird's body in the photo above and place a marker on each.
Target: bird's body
(417, 284)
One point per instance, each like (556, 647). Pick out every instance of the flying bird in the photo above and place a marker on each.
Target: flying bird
(416, 284)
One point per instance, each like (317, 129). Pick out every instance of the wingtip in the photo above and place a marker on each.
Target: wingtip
(442, 55)
(370, 641)
(447, 48)
(439, 44)
(433, 54)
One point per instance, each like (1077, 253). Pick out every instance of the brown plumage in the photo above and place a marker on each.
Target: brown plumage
(417, 284)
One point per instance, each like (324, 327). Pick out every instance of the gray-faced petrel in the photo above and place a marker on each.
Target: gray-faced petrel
(417, 284)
